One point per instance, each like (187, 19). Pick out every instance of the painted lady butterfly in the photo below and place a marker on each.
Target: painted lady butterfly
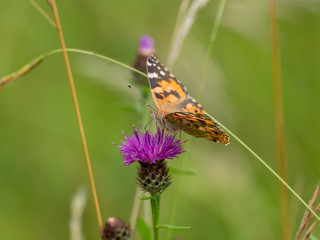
(176, 110)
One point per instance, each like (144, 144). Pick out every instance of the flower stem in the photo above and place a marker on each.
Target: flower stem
(268, 167)
(155, 208)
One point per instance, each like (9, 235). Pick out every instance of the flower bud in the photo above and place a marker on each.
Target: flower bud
(145, 49)
(115, 229)
(154, 178)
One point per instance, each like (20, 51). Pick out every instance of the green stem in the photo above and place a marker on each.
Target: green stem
(35, 62)
(97, 55)
(155, 208)
(268, 167)
(179, 185)
(213, 37)
(232, 134)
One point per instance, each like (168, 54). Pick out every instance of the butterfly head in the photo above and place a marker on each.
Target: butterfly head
(159, 117)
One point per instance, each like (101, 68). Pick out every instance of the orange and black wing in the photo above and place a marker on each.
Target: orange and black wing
(168, 92)
(199, 125)
(178, 108)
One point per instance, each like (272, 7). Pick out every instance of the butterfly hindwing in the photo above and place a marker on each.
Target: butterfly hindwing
(190, 105)
(199, 125)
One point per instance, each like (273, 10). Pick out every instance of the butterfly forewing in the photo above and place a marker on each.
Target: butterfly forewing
(167, 91)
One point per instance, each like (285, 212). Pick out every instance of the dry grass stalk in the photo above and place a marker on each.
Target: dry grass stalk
(182, 10)
(308, 233)
(43, 13)
(21, 72)
(308, 216)
(52, 4)
(184, 29)
(78, 204)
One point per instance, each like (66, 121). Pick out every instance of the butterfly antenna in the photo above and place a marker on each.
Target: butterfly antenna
(139, 96)
(152, 108)
(136, 93)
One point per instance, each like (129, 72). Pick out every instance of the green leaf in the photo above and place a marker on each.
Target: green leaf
(172, 227)
(145, 198)
(182, 172)
(143, 229)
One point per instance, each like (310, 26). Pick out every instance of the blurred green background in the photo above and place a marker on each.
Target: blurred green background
(232, 196)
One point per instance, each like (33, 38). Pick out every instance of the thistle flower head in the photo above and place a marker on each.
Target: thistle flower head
(146, 45)
(115, 229)
(145, 49)
(154, 178)
(149, 148)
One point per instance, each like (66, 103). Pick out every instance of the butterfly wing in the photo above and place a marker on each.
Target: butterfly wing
(176, 109)
(198, 125)
(167, 91)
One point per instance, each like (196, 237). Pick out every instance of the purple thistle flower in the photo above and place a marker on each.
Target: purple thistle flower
(146, 45)
(145, 49)
(149, 148)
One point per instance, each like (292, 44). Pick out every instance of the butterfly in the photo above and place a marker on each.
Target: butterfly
(176, 110)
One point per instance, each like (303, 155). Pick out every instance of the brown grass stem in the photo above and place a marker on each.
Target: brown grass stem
(77, 109)
(307, 215)
(279, 121)
(43, 13)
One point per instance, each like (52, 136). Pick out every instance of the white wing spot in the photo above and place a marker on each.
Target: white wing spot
(149, 64)
(162, 73)
(153, 75)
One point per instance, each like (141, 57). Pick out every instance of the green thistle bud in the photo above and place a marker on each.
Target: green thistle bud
(154, 178)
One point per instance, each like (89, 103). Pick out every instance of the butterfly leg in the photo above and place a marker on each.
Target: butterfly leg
(145, 128)
(164, 134)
